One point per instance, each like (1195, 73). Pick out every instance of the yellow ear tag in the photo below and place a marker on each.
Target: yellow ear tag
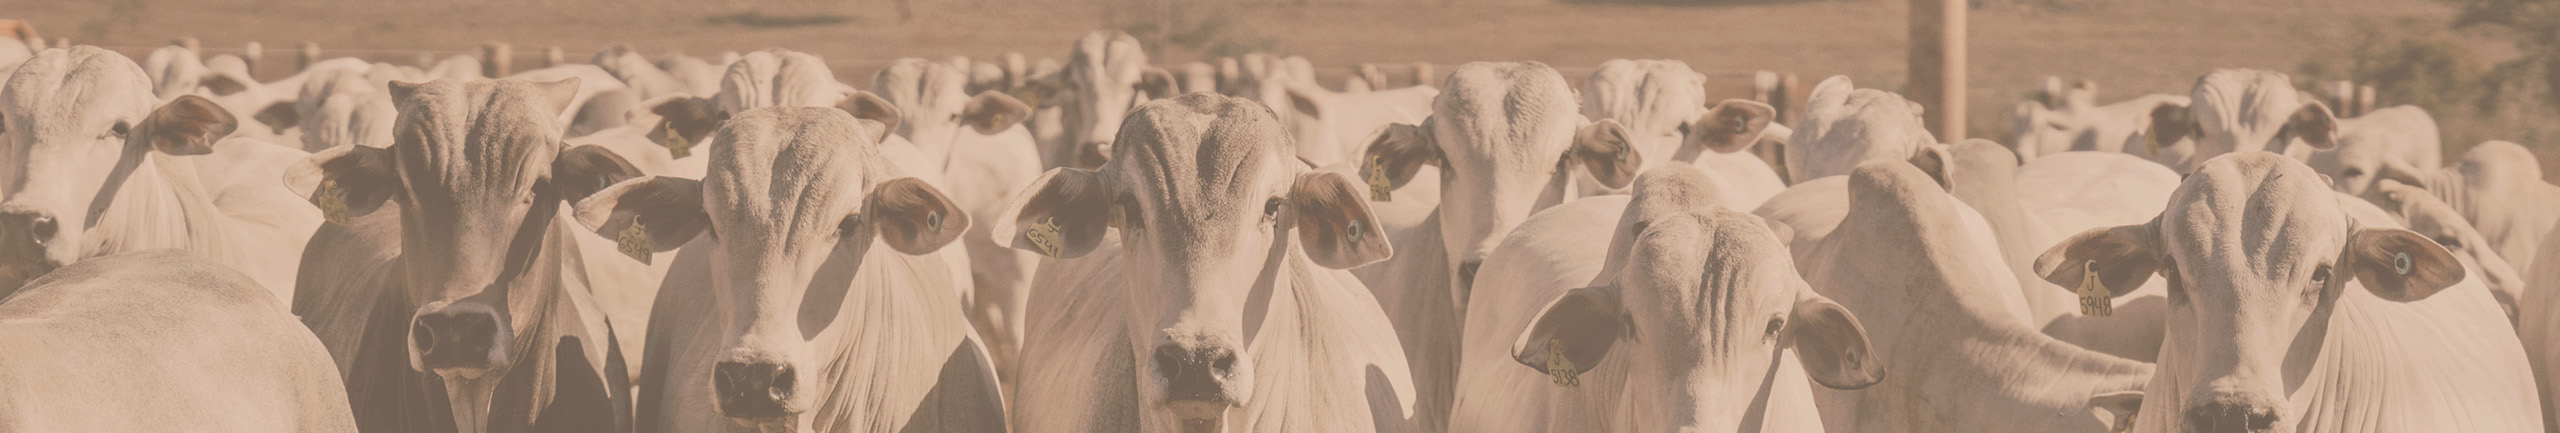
(634, 241)
(332, 203)
(2095, 300)
(2151, 143)
(1379, 188)
(1044, 236)
(677, 146)
(1560, 369)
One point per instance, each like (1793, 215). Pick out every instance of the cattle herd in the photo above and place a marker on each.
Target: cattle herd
(744, 243)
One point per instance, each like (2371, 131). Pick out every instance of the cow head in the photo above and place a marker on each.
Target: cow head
(479, 172)
(1506, 141)
(1204, 200)
(1845, 126)
(78, 123)
(2257, 252)
(1663, 105)
(1104, 78)
(2240, 110)
(795, 200)
(1699, 309)
(938, 109)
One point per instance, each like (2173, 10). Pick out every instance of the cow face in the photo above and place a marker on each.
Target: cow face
(1204, 198)
(1703, 305)
(795, 200)
(1845, 126)
(479, 173)
(2239, 110)
(938, 109)
(78, 124)
(1104, 78)
(2257, 252)
(1506, 140)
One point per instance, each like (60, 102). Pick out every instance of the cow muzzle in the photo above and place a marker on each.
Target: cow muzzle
(2226, 416)
(465, 338)
(1200, 383)
(28, 238)
(754, 393)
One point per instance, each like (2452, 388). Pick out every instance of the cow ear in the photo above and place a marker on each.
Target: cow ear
(189, 125)
(1832, 345)
(1158, 84)
(1334, 224)
(992, 112)
(279, 116)
(2123, 256)
(584, 169)
(1306, 106)
(1063, 214)
(1579, 326)
(2400, 265)
(683, 121)
(1398, 152)
(1604, 148)
(2170, 122)
(1938, 163)
(345, 181)
(668, 210)
(868, 106)
(560, 94)
(1731, 126)
(913, 217)
(2314, 124)
(2116, 410)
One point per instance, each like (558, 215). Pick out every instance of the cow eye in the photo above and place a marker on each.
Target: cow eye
(1271, 209)
(2352, 172)
(121, 129)
(1775, 323)
(2320, 277)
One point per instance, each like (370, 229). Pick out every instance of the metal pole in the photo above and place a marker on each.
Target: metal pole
(1938, 65)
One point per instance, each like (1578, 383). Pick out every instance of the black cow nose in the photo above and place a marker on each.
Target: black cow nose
(753, 389)
(2231, 418)
(461, 336)
(1195, 373)
(42, 228)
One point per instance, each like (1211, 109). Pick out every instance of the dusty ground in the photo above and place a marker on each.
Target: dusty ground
(2130, 47)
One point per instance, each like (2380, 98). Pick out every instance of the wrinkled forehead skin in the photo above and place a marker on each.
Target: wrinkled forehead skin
(2250, 218)
(1511, 113)
(2240, 109)
(74, 91)
(1714, 271)
(1106, 57)
(1199, 159)
(458, 140)
(787, 166)
(1651, 97)
(1868, 125)
(924, 90)
(777, 78)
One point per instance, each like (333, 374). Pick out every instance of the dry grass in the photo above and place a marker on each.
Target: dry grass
(2130, 47)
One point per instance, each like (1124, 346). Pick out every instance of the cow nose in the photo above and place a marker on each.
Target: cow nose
(25, 235)
(462, 336)
(1467, 279)
(2231, 418)
(753, 390)
(1196, 373)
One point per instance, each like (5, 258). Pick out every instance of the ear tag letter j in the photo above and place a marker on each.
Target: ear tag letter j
(1379, 188)
(1560, 369)
(1044, 236)
(332, 203)
(2095, 301)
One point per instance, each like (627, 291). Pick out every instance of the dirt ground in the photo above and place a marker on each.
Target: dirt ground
(2130, 47)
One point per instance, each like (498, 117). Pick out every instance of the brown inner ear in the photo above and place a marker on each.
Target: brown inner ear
(870, 107)
(188, 125)
(1833, 346)
(582, 170)
(1076, 203)
(913, 217)
(1587, 321)
(692, 117)
(1605, 150)
(2170, 123)
(1402, 150)
(2401, 265)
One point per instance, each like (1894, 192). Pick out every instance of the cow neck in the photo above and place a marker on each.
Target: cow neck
(884, 328)
(547, 297)
(153, 201)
